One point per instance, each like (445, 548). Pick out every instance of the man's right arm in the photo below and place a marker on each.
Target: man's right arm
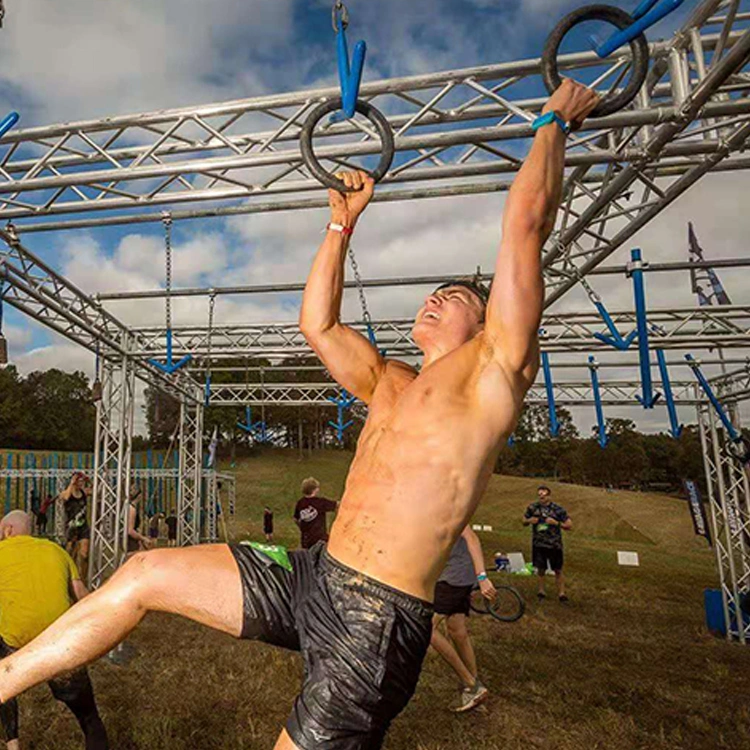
(354, 363)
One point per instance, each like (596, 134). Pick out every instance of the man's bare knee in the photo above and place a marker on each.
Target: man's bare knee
(137, 580)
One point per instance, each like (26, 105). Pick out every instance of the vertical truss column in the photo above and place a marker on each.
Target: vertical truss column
(191, 458)
(729, 501)
(112, 458)
(211, 496)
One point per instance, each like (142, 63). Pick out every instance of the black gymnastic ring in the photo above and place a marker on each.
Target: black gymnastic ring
(373, 115)
(638, 48)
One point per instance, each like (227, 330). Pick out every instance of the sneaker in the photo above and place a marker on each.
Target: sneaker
(541, 595)
(563, 598)
(470, 698)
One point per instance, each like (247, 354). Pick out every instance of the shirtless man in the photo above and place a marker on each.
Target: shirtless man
(360, 610)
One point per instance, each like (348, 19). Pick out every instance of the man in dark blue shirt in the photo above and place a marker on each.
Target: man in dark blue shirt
(547, 521)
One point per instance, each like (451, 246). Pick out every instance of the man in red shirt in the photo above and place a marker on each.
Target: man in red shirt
(310, 514)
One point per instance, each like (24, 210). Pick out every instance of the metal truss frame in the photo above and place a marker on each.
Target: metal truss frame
(729, 505)
(697, 328)
(573, 393)
(190, 467)
(113, 444)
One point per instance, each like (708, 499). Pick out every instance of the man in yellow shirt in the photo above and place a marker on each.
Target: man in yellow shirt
(39, 582)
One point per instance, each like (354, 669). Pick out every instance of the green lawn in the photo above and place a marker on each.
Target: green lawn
(626, 664)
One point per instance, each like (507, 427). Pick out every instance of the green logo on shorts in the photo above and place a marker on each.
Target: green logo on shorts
(275, 552)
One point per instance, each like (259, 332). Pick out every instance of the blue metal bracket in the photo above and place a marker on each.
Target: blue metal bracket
(207, 391)
(675, 427)
(170, 366)
(343, 401)
(8, 122)
(648, 13)
(554, 425)
(511, 440)
(258, 429)
(615, 339)
(734, 436)
(635, 270)
(593, 367)
(350, 74)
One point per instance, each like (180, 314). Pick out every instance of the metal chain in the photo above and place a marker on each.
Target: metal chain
(166, 218)
(339, 9)
(593, 296)
(361, 290)
(211, 305)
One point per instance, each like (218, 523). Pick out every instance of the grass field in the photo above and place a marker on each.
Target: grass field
(627, 664)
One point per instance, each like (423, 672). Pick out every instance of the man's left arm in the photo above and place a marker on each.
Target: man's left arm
(517, 298)
(477, 557)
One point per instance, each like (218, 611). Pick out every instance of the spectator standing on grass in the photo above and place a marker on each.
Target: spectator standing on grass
(268, 524)
(171, 521)
(136, 540)
(39, 582)
(465, 567)
(310, 514)
(154, 527)
(41, 519)
(547, 520)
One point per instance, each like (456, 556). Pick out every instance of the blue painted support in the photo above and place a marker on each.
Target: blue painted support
(554, 425)
(170, 366)
(734, 436)
(511, 440)
(646, 14)
(615, 339)
(350, 74)
(635, 270)
(8, 122)
(207, 391)
(343, 401)
(593, 366)
(675, 427)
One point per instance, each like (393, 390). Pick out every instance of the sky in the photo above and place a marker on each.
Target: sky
(86, 59)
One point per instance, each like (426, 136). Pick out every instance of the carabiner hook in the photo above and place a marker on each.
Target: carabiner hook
(339, 16)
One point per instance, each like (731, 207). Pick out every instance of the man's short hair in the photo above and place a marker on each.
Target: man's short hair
(474, 285)
(545, 488)
(309, 486)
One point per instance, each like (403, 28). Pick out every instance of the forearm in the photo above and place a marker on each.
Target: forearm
(475, 550)
(321, 302)
(534, 198)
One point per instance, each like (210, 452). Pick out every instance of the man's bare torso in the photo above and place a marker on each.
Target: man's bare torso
(422, 464)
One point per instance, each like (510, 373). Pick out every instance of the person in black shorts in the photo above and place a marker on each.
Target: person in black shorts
(268, 524)
(171, 521)
(464, 568)
(547, 521)
(74, 502)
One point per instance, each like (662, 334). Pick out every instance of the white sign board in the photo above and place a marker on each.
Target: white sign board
(628, 558)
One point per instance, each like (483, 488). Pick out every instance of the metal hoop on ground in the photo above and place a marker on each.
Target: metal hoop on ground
(373, 115)
(614, 101)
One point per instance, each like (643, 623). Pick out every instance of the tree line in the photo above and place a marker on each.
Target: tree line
(54, 410)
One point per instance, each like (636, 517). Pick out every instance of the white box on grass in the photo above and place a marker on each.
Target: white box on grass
(628, 558)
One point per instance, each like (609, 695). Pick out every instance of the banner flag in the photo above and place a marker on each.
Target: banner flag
(697, 509)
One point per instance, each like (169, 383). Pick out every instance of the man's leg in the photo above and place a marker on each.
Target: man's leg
(284, 742)
(560, 581)
(459, 634)
(539, 560)
(77, 693)
(445, 648)
(200, 583)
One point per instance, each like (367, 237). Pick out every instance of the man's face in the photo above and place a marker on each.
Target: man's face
(448, 318)
(543, 496)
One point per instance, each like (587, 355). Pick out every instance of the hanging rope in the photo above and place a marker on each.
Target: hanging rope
(362, 298)
(96, 390)
(211, 306)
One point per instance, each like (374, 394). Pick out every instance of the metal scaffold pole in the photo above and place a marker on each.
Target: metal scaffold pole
(112, 459)
(729, 504)
(191, 459)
